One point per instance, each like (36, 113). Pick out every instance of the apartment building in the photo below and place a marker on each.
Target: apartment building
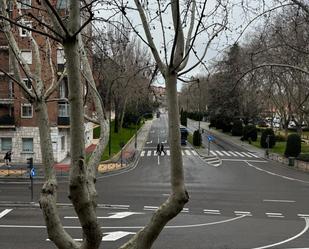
(18, 128)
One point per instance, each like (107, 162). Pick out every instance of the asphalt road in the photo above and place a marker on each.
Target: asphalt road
(246, 202)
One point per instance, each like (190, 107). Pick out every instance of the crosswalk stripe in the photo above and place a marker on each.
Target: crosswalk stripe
(246, 154)
(232, 153)
(212, 152)
(238, 153)
(149, 153)
(219, 153)
(225, 153)
(5, 212)
(168, 152)
(143, 153)
(253, 155)
(182, 153)
(188, 152)
(194, 152)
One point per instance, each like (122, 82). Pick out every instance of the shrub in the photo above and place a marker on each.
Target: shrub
(250, 132)
(280, 138)
(237, 128)
(293, 146)
(183, 118)
(272, 139)
(197, 138)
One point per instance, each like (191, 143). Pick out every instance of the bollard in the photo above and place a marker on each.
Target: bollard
(291, 161)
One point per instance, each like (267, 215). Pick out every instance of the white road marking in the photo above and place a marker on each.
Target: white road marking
(212, 152)
(238, 153)
(271, 173)
(5, 212)
(211, 211)
(246, 154)
(232, 153)
(219, 153)
(188, 152)
(158, 159)
(149, 142)
(182, 153)
(143, 153)
(168, 152)
(244, 160)
(226, 153)
(133, 227)
(118, 215)
(274, 215)
(194, 152)
(149, 153)
(110, 236)
(238, 213)
(287, 240)
(150, 208)
(252, 154)
(113, 236)
(303, 215)
(185, 210)
(287, 201)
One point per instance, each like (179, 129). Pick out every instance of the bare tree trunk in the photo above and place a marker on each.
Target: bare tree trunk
(179, 196)
(79, 181)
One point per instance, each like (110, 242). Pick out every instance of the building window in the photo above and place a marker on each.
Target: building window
(27, 56)
(26, 111)
(62, 4)
(63, 89)
(25, 4)
(6, 143)
(63, 143)
(63, 110)
(60, 56)
(24, 32)
(28, 83)
(27, 144)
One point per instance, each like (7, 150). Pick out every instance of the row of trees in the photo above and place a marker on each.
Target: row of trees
(265, 76)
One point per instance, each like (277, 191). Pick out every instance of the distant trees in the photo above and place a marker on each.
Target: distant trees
(124, 72)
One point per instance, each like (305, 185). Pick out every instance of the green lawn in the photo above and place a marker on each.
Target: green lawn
(280, 147)
(122, 136)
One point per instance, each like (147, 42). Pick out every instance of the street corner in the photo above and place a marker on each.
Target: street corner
(108, 167)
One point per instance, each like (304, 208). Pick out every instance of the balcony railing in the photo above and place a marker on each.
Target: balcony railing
(7, 120)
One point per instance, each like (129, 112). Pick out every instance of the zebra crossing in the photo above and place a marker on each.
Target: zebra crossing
(213, 153)
(223, 153)
(147, 153)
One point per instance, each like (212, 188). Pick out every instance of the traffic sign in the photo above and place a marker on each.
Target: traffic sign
(32, 172)
(210, 138)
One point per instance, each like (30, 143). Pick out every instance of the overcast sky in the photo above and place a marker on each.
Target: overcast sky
(237, 20)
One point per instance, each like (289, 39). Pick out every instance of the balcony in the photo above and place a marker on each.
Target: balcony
(7, 121)
(63, 121)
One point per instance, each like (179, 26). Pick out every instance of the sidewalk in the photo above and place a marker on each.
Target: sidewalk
(129, 152)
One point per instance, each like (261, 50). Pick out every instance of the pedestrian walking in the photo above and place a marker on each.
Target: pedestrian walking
(162, 149)
(8, 157)
(158, 150)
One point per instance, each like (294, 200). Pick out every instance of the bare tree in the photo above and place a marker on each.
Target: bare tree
(65, 30)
